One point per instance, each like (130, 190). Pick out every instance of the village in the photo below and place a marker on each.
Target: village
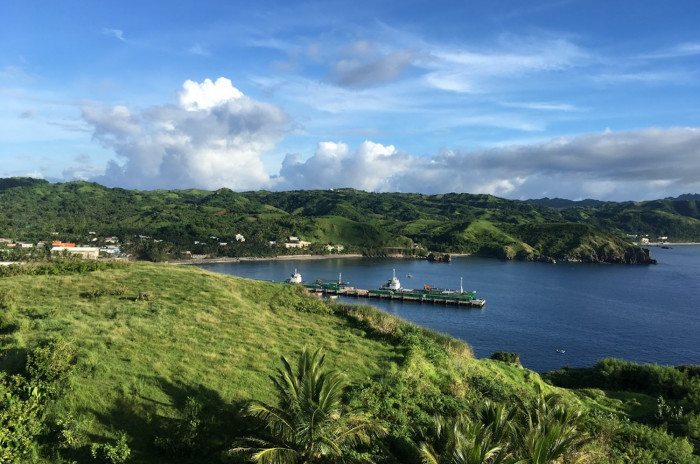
(109, 247)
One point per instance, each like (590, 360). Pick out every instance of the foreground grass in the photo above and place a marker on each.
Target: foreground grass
(149, 337)
(193, 333)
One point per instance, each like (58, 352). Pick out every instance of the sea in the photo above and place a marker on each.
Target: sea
(552, 315)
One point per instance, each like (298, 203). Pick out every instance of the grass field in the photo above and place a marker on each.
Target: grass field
(148, 337)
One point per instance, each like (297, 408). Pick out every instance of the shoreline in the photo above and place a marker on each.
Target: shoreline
(224, 260)
(306, 257)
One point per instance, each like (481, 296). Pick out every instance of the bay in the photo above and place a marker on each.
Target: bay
(644, 314)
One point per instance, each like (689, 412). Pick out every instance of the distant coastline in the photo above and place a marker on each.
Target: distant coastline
(225, 260)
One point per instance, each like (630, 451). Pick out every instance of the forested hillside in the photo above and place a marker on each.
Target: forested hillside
(370, 223)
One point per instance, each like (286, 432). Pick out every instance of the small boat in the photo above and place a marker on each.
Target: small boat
(560, 351)
(392, 284)
(409, 276)
(294, 278)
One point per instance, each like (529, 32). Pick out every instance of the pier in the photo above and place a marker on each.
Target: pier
(457, 299)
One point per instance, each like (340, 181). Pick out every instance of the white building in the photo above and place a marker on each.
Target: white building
(84, 252)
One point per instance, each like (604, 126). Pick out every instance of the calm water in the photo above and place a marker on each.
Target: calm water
(646, 314)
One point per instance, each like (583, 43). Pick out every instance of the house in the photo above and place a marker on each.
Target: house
(298, 244)
(240, 238)
(111, 249)
(84, 252)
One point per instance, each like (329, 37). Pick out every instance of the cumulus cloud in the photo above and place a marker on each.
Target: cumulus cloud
(653, 163)
(213, 138)
(371, 167)
(609, 165)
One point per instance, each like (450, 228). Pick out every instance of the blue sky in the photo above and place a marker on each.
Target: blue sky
(573, 99)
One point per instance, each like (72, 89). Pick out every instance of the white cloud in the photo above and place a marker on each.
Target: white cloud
(208, 94)
(644, 77)
(371, 167)
(653, 163)
(679, 51)
(466, 71)
(198, 50)
(214, 138)
(117, 33)
(542, 106)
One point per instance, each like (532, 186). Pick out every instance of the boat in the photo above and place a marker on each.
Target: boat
(409, 276)
(294, 278)
(392, 284)
(560, 351)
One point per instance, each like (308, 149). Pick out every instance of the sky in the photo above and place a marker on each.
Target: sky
(520, 99)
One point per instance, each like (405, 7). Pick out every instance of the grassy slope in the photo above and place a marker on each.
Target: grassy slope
(218, 338)
(201, 332)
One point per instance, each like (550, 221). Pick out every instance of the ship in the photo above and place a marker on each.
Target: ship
(294, 278)
(392, 284)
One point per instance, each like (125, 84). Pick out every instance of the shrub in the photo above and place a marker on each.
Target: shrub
(117, 453)
(506, 357)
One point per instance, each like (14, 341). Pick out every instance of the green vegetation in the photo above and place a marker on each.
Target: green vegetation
(311, 423)
(147, 363)
(162, 225)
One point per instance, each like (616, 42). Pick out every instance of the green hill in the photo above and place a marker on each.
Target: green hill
(370, 223)
(166, 356)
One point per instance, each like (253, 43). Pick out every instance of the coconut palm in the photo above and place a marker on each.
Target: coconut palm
(310, 424)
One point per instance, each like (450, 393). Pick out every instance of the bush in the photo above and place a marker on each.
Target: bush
(117, 453)
(506, 357)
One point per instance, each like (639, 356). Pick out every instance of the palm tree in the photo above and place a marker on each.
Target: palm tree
(551, 433)
(310, 424)
(461, 440)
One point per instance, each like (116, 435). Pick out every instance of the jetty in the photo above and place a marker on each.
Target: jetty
(392, 290)
(465, 299)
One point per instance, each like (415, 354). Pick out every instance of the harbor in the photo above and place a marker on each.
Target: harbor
(392, 290)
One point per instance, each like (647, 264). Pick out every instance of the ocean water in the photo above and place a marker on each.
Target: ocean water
(645, 314)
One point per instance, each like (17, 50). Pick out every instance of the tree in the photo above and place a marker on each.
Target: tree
(551, 433)
(311, 424)
(462, 440)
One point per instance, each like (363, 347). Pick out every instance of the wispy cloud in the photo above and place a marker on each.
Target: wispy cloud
(465, 70)
(365, 63)
(650, 77)
(116, 33)
(678, 51)
(198, 49)
(542, 106)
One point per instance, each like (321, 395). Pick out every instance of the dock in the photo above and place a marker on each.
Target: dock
(455, 298)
